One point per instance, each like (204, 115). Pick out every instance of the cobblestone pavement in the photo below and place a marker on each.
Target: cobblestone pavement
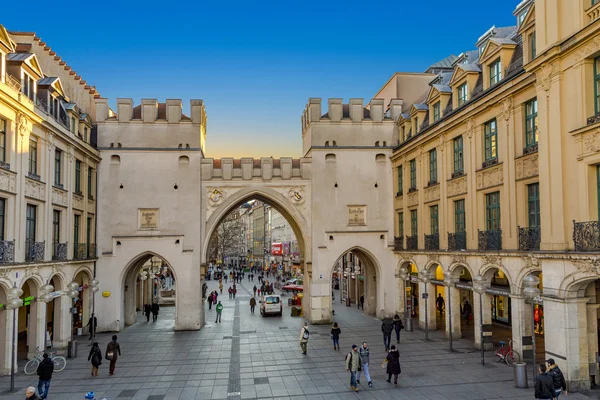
(251, 357)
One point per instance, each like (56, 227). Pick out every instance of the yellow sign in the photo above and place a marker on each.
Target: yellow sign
(105, 294)
(357, 215)
(148, 218)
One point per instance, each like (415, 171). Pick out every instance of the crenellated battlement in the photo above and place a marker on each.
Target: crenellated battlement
(247, 168)
(150, 111)
(354, 111)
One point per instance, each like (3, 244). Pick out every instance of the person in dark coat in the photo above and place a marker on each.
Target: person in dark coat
(544, 385)
(147, 311)
(155, 309)
(393, 365)
(398, 326)
(44, 371)
(96, 357)
(252, 304)
(93, 324)
(210, 301)
(467, 310)
(113, 351)
(387, 326)
(335, 336)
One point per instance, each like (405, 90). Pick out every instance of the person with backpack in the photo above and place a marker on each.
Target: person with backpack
(558, 378)
(398, 326)
(113, 351)
(393, 364)
(219, 309)
(335, 336)
(44, 371)
(353, 365)
(364, 356)
(304, 334)
(96, 358)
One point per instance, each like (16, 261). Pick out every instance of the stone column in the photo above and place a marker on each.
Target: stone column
(62, 325)
(567, 341)
(487, 316)
(36, 331)
(521, 321)
(430, 306)
(6, 339)
(319, 302)
(592, 336)
(454, 295)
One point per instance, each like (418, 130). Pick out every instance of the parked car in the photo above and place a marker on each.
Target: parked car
(271, 304)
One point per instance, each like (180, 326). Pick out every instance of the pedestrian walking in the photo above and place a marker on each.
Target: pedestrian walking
(113, 351)
(440, 303)
(210, 301)
(44, 371)
(364, 357)
(544, 385)
(30, 394)
(387, 326)
(225, 278)
(92, 323)
(234, 291)
(95, 357)
(398, 326)
(259, 292)
(335, 336)
(155, 309)
(147, 311)
(353, 365)
(219, 309)
(304, 334)
(467, 311)
(230, 291)
(393, 364)
(557, 378)
(254, 290)
(252, 304)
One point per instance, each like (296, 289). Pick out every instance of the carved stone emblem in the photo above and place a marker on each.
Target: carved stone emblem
(5, 273)
(544, 76)
(492, 259)
(22, 124)
(588, 266)
(532, 261)
(470, 127)
(459, 259)
(296, 194)
(591, 143)
(215, 196)
(507, 107)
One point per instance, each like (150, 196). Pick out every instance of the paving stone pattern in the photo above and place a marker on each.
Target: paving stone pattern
(250, 357)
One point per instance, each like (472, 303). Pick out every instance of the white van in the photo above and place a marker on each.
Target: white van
(271, 304)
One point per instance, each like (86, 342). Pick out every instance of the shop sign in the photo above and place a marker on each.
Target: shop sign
(464, 286)
(276, 249)
(437, 282)
(148, 218)
(28, 300)
(414, 278)
(498, 292)
(55, 294)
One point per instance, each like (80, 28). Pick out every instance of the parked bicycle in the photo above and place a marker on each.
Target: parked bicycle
(507, 354)
(31, 367)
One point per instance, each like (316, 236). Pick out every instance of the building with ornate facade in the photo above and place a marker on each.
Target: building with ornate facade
(48, 167)
(497, 174)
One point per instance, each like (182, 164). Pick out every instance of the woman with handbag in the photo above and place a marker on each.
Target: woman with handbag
(113, 351)
(96, 358)
(393, 364)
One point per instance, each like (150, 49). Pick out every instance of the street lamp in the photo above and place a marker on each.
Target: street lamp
(449, 281)
(531, 291)
(426, 277)
(13, 303)
(480, 285)
(403, 275)
(73, 293)
(93, 286)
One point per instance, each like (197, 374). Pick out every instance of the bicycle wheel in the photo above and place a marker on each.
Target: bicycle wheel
(59, 363)
(512, 357)
(31, 366)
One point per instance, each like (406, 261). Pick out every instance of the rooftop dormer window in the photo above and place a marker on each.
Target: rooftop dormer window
(436, 112)
(463, 94)
(495, 72)
(28, 87)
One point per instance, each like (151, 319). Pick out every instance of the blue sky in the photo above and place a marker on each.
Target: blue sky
(255, 64)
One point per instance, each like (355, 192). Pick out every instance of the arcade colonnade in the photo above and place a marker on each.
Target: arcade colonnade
(37, 321)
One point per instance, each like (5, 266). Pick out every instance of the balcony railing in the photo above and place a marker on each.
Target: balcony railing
(457, 240)
(490, 240)
(594, 118)
(398, 243)
(60, 251)
(91, 251)
(432, 242)
(412, 242)
(489, 163)
(529, 238)
(34, 176)
(593, 13)
(34, 251)
(81, 251)
(7, 251)
(456, 174)
(412, 190)
(12, 82)
(586, 236)
(533, 148)
(5, 165)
